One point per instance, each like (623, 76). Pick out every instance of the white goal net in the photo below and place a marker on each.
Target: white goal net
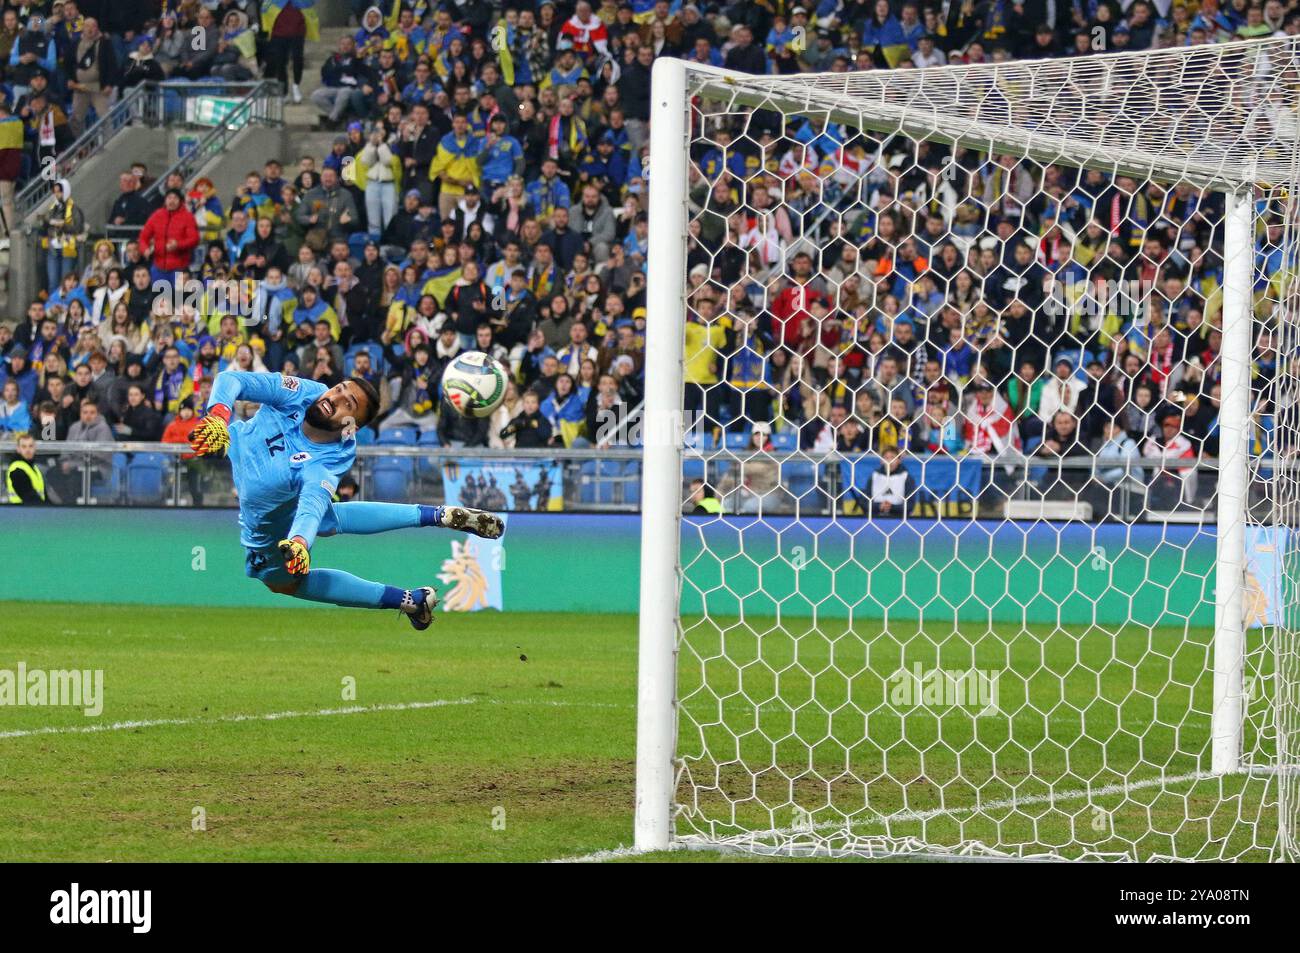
(970, 508)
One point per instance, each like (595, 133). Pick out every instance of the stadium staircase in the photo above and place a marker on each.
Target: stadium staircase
(217, 130)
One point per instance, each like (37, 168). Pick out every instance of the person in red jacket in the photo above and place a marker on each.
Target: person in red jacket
(170, 237)
(790, 306)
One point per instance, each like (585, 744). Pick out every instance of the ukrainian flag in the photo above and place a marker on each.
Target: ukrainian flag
(306, 7)
(11, 147)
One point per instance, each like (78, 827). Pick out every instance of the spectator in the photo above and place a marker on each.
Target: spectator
(530, 429)
(1117, 454)
(703, 500)
(347, 84)
(24, 482)
(142, 65)
(65, 229)
(892, 487)
(15, 370)
(91, 66)
(15, 416)
(1060, 392)
(130, 207)
(90, 427)
(1170, 484)
(196, 57)
(169, 237)
(327, 212)
(178, 431)
(11, 164)
(1061, 438)
(455, 165)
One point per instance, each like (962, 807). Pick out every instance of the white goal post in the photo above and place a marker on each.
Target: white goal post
(778, 633)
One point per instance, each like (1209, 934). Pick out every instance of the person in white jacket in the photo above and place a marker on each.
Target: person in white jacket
(381, 189)
(1060, 392)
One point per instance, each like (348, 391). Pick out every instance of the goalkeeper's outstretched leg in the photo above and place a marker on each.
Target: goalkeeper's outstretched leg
(286, 568)
(365, 518)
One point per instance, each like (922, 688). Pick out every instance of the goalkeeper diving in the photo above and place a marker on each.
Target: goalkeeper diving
(287, 461)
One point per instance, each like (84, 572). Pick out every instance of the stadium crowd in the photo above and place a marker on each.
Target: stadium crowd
(487, 190)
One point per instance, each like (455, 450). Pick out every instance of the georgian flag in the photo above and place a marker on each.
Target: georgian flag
(798, 159)
(587, 36)
(844, 166)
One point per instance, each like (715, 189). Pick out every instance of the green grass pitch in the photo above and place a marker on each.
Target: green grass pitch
(502, 738)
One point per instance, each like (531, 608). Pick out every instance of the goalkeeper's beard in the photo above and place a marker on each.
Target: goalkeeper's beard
(316, 417)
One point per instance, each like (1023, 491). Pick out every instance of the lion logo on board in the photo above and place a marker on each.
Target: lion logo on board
(465, 575)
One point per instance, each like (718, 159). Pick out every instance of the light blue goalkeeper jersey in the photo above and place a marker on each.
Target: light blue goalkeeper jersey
(285, 481)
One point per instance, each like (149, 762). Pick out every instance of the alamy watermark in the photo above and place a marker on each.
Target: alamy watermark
(617, 424)
(38, 687)
(78, 905)
(231, 296)
(944, 688)
(1097, 298)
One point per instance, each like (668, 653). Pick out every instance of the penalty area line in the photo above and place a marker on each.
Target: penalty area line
(233, 719)
(600, 856)
(1103, 791)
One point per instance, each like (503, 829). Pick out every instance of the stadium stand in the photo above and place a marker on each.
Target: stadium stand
(482, 185)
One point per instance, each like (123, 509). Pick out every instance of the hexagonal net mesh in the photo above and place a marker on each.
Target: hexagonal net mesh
(965, 420)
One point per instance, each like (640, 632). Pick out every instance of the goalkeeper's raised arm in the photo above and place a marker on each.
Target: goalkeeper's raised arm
(276, 390)
(211, 436)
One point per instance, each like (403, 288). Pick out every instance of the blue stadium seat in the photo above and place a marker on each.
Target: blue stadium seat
(798, 476)
(366, 437)
(428, 467)
(390, 479)
(357, 244)
(787, 440)
(597, 480)
(701, 439)
(375, 351)
(399, 437)
(610, 474)
(108, 490)
(738, 439)
(587, 481)
(146, 477)
(632, 485)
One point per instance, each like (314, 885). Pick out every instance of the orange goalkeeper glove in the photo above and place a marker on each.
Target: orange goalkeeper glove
(210, 435)
(297, 560)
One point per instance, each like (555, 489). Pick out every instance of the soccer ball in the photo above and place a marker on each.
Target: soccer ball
(475, 384)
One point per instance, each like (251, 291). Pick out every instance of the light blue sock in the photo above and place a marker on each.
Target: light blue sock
(344, 589)
(363, 518)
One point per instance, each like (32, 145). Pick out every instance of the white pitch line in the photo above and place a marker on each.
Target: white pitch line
(229, 719)
(1108, 790)
(598, 857)
(1030, 799)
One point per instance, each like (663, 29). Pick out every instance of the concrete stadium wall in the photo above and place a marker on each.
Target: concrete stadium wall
(1013, 573)
(94, 186)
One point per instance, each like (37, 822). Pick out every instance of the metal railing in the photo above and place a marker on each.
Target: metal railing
(262, 104)
(103, 474)
(158, 105)
(131, 108)
(1013, 486)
